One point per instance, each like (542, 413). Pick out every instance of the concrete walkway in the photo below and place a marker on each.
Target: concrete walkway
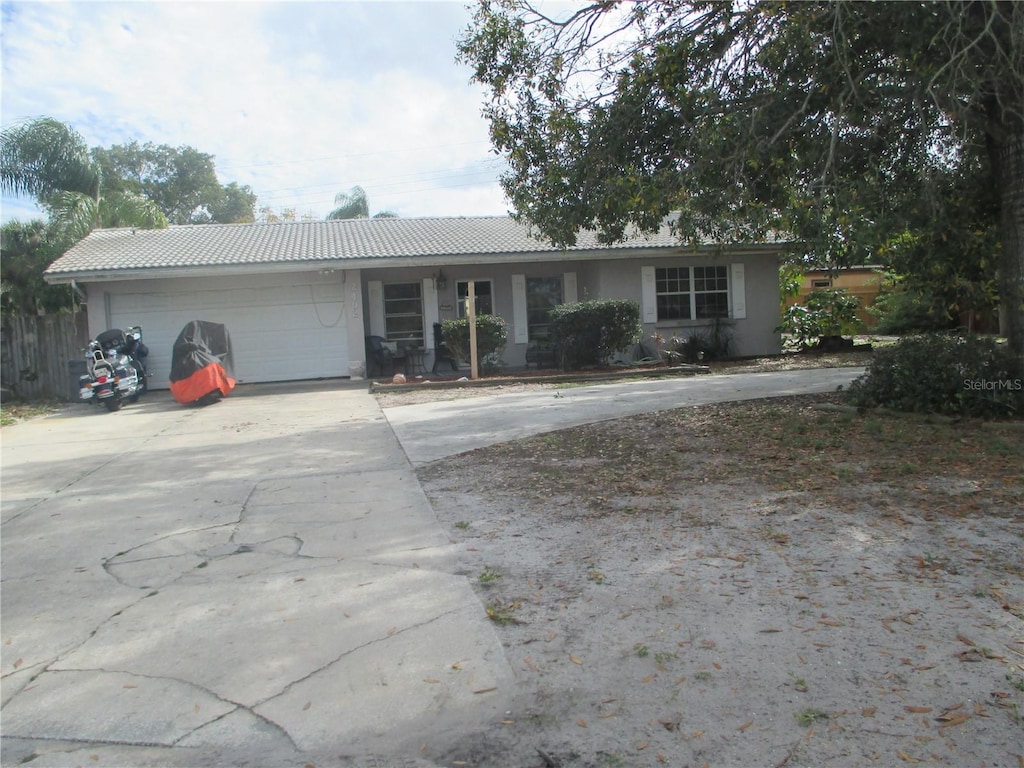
(434, 430)
(261, 582)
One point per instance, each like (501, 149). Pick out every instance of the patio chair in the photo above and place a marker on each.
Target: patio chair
(441, 351)
(378, 357)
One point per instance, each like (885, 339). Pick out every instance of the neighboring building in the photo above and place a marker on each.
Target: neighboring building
(299, 298)
(864, 282)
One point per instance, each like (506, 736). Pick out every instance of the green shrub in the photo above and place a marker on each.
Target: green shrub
(588, 333)
(933, 373)
(908, 310)
(491, 335)
(697, 345)
(825, 315)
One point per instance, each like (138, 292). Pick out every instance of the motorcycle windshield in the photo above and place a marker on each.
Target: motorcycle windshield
(112, 341)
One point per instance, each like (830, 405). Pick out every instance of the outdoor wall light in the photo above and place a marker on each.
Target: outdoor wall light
(441, 281)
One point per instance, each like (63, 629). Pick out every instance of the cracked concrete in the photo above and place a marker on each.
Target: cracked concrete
(257, 582)
(260, 582)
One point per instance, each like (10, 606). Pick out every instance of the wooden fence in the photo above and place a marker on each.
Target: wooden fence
(40, 356)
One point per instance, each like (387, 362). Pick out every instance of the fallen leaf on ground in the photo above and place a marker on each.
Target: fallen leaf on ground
(948, 721)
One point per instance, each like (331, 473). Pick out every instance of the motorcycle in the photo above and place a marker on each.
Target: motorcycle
(116, 369)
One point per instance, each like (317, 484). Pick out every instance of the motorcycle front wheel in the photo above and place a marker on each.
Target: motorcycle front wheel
(113, 404)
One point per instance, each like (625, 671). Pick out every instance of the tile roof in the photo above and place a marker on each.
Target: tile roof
(108, 252)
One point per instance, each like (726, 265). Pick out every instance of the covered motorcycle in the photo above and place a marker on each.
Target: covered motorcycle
(201, 366)
(115, 368)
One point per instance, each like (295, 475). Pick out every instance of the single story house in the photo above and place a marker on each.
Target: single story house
(300, 298)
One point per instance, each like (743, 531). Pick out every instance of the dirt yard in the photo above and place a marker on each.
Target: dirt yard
(773, 583)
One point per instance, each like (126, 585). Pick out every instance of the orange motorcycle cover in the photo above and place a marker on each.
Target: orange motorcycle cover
(201, 383)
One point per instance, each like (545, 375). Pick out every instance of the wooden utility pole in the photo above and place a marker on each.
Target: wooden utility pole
(474, 371)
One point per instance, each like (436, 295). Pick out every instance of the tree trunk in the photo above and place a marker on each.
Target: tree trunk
(1008, 157)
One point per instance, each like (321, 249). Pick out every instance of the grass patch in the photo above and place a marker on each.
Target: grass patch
(794, 444)
(809, 716)
(12, 413)
(488, 576)
(502, 613)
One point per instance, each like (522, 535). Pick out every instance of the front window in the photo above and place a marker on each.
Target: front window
(711, 292)
(482, 292)
(685, 293)
(673, 290)
(403, 313)
(542, 295)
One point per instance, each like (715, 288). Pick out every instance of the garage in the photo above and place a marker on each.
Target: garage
(283, 327)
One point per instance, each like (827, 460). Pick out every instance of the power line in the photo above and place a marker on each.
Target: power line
(388, 188)
(348, 156)
(440, 173)
(381, 186)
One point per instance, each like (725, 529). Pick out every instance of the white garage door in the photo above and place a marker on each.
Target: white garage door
(284, 328)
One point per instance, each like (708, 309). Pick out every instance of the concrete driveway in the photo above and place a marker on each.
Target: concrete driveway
(259, 582)
(263, 582)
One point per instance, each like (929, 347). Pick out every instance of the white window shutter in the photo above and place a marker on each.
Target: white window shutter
(738, 291)
(569, 288)
(520, 329)
(648, 296)
(430, 314)
(375, 292)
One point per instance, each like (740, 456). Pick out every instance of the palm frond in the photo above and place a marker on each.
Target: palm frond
(72, 216)
(43, 156)
(127, 209)
(350, 205)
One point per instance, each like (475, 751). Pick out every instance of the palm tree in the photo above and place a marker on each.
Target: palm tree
(354, 205)
(50, 161)
(42, 157)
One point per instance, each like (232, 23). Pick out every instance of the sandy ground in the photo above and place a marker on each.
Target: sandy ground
(736, 616)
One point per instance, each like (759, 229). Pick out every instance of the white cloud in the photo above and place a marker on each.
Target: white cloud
(298, 100)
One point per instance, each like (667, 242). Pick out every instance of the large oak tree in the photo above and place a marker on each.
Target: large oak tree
(182, 181)
(838, 125)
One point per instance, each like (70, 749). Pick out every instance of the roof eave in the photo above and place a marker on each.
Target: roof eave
(399, 262)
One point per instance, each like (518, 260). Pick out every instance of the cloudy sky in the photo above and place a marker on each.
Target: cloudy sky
(299, 100)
